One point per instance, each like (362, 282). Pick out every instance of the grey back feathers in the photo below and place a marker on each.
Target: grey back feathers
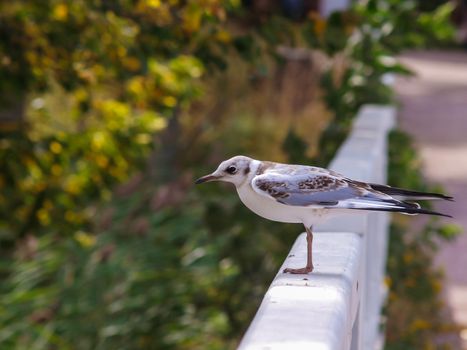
(306, 186)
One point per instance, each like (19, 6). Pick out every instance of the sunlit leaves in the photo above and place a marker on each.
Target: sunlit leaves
(414, 306)
(113, 95)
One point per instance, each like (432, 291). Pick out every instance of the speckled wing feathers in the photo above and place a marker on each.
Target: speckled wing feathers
(304, 186)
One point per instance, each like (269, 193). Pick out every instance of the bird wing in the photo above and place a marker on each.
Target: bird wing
(305, 186)
(312, 186)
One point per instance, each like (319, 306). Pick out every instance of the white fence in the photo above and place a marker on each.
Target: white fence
(338, 305)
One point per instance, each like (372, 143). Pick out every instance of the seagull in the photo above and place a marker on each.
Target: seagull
(309, 195)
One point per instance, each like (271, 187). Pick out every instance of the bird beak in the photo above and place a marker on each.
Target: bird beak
(206, 178)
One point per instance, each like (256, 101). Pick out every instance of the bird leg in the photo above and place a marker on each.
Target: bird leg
(309, 261)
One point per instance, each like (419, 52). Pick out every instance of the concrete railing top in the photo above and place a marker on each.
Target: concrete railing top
(338, 305)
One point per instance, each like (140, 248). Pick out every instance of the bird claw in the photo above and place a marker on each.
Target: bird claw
(303, 270)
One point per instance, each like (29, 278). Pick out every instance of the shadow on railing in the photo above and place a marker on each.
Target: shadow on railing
(338, 305)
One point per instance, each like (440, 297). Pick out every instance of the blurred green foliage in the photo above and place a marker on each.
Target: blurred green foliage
(104, 242)
(414, 310)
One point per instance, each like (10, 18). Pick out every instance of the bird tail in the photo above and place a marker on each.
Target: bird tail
(388, 205)
(407, 211)
(409, 194)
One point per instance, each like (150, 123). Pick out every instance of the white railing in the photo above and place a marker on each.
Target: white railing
(338, 305)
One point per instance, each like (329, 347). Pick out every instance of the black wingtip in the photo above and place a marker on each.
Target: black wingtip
(440, 196)
(407, 211)
(418, 195)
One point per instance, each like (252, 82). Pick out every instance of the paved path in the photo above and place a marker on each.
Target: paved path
(434, 111)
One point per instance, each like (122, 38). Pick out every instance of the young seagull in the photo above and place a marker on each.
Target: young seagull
(308, 195)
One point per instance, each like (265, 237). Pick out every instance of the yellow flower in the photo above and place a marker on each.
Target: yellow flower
(102, 161)
(436, 285)
(85, 239)
(169, 101)
(143, 139)
(43, 216)
(320, 27)
(70, 216)
(419, 324)
(157, 124)
(56, 170)
(121, 51)
(72, 184)
(388, 281)
(55, 147)
(40, 186)
(191, 20)
(131, 63)
(98, 140)
(408, 258)
(135, 86)
(319, 22)
(60, 12)
(153, 3)
(223, 36)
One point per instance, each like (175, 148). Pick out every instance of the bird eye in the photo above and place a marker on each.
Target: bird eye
(231, 170)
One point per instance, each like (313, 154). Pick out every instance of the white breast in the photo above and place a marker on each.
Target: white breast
(275, 211)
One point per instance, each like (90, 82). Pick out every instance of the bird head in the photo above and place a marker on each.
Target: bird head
(234, 170)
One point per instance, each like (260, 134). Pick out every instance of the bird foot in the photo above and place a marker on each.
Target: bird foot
(303, 270)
